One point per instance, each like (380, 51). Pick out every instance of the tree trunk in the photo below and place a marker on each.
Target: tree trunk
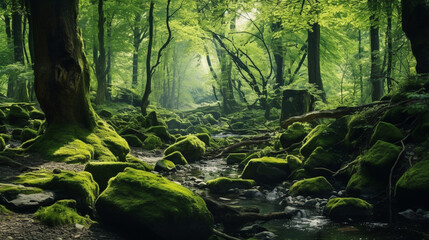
(389, 50)
(100, 65)
(148, 87)
(360, 51)
(109, 60)
(415, 18)
(377, 80)
(314, 75)
(278, 53)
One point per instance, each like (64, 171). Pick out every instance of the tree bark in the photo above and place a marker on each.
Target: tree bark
(360, 51)
(100, 65)
(377, 81)
(109, 60)
(148, 87)
(415, 18)
(314, 75)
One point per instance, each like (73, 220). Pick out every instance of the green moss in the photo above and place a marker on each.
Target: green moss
(2, 144)
(266, 170)
(300, 174)
(152, 142)
(131, 131)
(223, 185)
(142, 202)
(204, 137)
(235, 158)
(248, 158)
(10, 191)
(192, 148)
(177, 158)
(132, 140)
(62, 213)
(165, 165)
(421, 132)
(133, 159)
(395, 115)
(412, 189)
(293, 134)
(316, 187)
(320, 158)
(380, 158)
(344, 208)
(293, 162)
(18, 116)
(103, 171)
(28, 134)
(386, 132)
(161, 132)
(322, 136)
(36, 114)
(4, 210)
(79, 186)
(74, 144)
(362, 183)
(105, 114)
(6, 137)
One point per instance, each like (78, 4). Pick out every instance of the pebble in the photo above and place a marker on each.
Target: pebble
(79, 226)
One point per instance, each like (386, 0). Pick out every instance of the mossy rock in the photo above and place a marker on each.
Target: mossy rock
(412, 189)
(4, 211)
(2, 144)
(141, 202)
(177, 158)
(11, 191)
(294, 133)
(132, 159)
(105, 114)
(380, 158)
(18, 116)
(67, 184)
(16, 133)
(161, 132)
(320, 158)
(386, 132)
(131, 131)
(395, 115)
(133, 140)
(204, 137)
(103, 171)
(267, 170)
(61, 213)
(222, 185)
(174, 123)
(192, 148)
(323, 136)
(300, 174)
(315, 187)
(152, 119)
(27, 134)
(235, 158)
(248, 158)
(74, 144)
(36, 114)
(421, 132)
(165, 165)
(362, 183)
(152, 142)
(208, 118)
(341, 209)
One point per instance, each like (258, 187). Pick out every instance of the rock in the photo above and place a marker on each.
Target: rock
(421, 132)
(9, 192)
(103, 171)
(28, 134)
(248, 158)
(18, 116)
(105, 114)
(300, 174)
(235, 158)
(265, 235)
(152, 142)
(269, 169)
(67, 184)
(192, 148)
(133, 140)
(412, 189)
(386, 132)
(161, 132)
(320, 158)
(36, 114)
(380, 158)
(177, 158)
(316, 187)
(294, 133)
(5, 161)
(62, 213)
(16, 133)
(130, 131)
(310, 203)
(253, 193)
(223, 185)
(140, 202)
(340, 209)
(152, 119)
(204, 137)
(164, 165)
(31, 202)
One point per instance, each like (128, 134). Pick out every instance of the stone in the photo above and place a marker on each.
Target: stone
(315, 187)
(412, 188)
(165, 165)
(340, 209)
(192, 148)
(223, 185)
(386, 132)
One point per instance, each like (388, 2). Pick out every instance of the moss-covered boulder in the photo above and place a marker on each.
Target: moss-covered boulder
(161, 132)
(322, 136)
(177, 158)
(267, 170)
(395, 115)
(315, 187)
(2, 144)
(18, 116)
(320, 158)
(11, 191)
(248, 158)
(340, 209)
(62, 212)
(380, 158)
(27, 134)
(66, 184)
(294, 133)
(386, 132)
(16, 133)
(204, 137)
(235, 158)
(223, 184)
(131, 131)
(363, 183)
(133, 141)
(412, 189)
(421, 132)
(152, 142)
(36, 114)
(103, 171)
(192, 148)
(105, 114)
(300, 174)
(140, 202)
(165, 165)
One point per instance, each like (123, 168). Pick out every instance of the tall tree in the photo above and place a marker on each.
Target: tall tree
(377, 81)
(314, 74)
(100, 63)
(139, 33)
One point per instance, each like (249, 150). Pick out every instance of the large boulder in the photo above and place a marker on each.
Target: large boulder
(192, 148)
(315, 187)
(223, 184)
(177, 158)
(380, 158)
(412, 189)
(235, 158)
(386, 132)
(152, 142)
(62, 213)
(294, 133)
(340, 209)
(146, 204)
(133, 140)
(27, 134)
(320, 158)
(269, 169)
(18, 116)
(165, 165)
(161, 132)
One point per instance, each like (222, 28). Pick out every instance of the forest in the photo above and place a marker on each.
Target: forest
(220, 120)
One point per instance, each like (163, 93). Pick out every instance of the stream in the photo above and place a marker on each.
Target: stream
(309, 223)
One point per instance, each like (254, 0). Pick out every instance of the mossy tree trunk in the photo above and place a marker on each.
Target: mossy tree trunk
(377, 80)
(415, 18)
(100, 64)
(314, 75)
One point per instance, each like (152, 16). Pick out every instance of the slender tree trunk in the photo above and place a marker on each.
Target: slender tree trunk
(278, 53)
(109, 60)
(314, 75)
(360, 51)
(148, 87)
(100, 65)
(377, 80)
(136, 45)
(389, 49)
(415, 18)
